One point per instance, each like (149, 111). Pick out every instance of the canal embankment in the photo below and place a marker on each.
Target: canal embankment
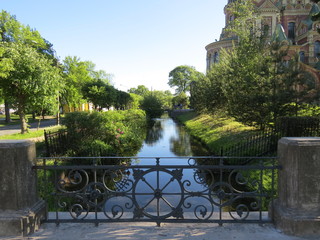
(215, 131)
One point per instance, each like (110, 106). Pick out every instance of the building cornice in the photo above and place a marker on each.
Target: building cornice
(220, 44)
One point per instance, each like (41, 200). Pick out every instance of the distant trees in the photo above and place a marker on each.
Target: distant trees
(151, 104)
(140, 90)
(181, 77)
(33, 80)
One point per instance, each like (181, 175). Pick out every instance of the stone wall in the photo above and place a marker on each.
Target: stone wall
(297, 209)
(20, 208)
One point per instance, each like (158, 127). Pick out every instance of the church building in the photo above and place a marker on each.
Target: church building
(290, 20)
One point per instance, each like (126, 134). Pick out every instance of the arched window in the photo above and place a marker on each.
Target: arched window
(302, 56)
(317, 49)
(216, 57)
(291, 31)
(208, 61)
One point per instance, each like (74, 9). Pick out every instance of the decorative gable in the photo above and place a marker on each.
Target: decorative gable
(268, 6)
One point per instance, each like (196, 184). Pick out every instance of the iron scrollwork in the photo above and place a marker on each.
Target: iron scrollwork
(159, 193)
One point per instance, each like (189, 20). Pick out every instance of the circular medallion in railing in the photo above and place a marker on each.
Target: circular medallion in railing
(157, 193)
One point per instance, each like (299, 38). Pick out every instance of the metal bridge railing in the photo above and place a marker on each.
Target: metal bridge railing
(181, 189)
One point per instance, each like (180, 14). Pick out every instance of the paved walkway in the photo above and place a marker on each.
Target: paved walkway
(11, 129)
(149, 231)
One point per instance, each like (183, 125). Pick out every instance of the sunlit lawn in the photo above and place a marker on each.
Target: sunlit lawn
(15, 120)
(31, 134)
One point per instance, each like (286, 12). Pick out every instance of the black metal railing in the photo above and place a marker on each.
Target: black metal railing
(184, 189)
(261, 144)
(56, 143)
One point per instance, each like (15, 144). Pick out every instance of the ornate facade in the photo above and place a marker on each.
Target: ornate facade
(297, 26)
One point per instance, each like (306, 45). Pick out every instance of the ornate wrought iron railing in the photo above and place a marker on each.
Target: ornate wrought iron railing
(182, 189)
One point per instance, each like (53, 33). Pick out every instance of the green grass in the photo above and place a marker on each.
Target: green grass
(216, 131)
(15, 120)
(40, 145)
(31, 134)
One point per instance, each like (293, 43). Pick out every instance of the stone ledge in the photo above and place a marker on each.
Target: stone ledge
(294, 222)
(22, 222)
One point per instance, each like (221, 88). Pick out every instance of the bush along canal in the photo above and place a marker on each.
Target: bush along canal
(171, 178)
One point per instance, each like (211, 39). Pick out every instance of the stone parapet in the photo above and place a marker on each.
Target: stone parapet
(297, 209)
(20, 208)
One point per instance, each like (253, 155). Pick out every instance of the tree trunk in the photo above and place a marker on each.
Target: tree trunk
(58, 118)
(24, 126)
(58, 113)
(7, 111)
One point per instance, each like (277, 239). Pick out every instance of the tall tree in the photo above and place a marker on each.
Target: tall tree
(181, 77)
(140, 90)
(76, 75)
(100, 94)
(255, 82)
(32, 79)
(152, 106)
(12, 31)
(123, 100)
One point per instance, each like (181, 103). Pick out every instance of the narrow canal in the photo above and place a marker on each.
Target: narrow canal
(160, 190)
(168, 139)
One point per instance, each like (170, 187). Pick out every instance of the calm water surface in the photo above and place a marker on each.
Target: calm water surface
(165, 189)
(168, 139)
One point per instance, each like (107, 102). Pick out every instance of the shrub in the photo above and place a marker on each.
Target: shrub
(152, 106)
(105, 133)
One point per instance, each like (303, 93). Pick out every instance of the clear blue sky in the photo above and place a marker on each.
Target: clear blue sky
(138, 41)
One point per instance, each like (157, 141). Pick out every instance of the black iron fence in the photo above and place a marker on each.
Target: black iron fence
(57, 143)
(262, 144)
(265, 142)
(184, 189)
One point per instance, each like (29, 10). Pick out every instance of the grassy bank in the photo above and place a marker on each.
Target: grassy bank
(15, 119)
(37, 136)
(215, 131)
(30, 135)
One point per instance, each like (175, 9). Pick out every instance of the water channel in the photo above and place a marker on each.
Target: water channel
(168, 139)
(166, 179)
(169, 142)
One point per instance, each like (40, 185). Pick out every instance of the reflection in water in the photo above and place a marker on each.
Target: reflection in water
(154, 132)
(167, 139)
(186, 145)
(161, 188)
(180, 145)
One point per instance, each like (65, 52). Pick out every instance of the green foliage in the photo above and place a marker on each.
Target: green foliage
(182, 76)
(254, 82)
(30, 135)
(152, 105)
(140, 90)
(123, 100)
(108, 133)
(100, 94)
(206, 94)
(181, 101)
(76, 75)
(215, 131)
(298, 126)
(165, 97)
(32, 81)
(13, 33)
(135, 101)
